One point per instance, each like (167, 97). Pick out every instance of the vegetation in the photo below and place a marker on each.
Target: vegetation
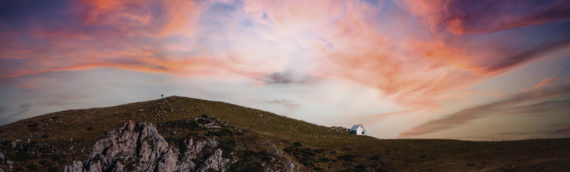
(48, 142)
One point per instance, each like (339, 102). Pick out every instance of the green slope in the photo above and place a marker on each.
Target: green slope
(322, 148)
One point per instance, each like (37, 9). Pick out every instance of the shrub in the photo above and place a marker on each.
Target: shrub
(33, 167)
(297, 144)
(374, 158)
(227, 146)
(347, 158)
(360, 168)
(53, 169)
(33, 127)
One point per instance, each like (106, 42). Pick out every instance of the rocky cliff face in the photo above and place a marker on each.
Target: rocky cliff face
(139, 147)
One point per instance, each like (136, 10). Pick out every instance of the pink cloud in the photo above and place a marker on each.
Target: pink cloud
(460, 17)
(340, 38)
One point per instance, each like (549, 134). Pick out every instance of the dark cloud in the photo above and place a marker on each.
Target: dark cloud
(491, 16)
(557, 132)
(286, 103)
(520, 57)
(278, 78)
(466, 115)
(286, 78)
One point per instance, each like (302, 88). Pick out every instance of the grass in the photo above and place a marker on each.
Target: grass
(317, 147)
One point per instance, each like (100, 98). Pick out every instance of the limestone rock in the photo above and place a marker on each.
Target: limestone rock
(139, 147)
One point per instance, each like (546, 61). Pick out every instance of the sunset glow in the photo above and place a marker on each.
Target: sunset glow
(477, 70)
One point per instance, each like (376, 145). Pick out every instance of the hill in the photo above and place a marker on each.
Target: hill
(257, 140)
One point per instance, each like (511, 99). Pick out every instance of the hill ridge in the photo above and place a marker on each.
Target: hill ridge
(37, 143)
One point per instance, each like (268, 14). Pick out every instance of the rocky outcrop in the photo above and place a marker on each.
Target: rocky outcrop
(139, 147)
(197, 151)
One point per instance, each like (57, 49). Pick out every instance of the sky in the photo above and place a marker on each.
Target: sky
(451, 69)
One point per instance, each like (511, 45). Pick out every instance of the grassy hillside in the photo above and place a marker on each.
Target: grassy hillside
(48, 142)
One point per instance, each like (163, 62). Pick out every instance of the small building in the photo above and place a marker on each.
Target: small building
(358, 129)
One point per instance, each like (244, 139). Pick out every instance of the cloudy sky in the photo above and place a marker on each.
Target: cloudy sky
(477, 70)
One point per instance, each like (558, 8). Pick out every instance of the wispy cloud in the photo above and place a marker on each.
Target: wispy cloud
(459, 17)
(21, 109)
(416, 55)
(519, 102)
(562, 131)
(286, 103)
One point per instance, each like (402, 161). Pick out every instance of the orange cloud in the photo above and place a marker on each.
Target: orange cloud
(544, 82)
(342, 38)
(177, 17)
(415, 71)
(191, 66)
(455, 26)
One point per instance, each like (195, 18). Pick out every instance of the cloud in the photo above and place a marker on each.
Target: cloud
(418, 69)
(148, 18)
(544, 82)
(525, 55)
(559, 131)
(254, 39)
(278, 78)
(63, 99)
(416, 53)
(515, 102)
(285, 103)
(147, 62)
(483, 52)
(21, 109)
(346, 43)
(461, 17)
(383, 116)
(284, 78)
(415, 68)
(563, 130)
(172, 37)
(98, 34)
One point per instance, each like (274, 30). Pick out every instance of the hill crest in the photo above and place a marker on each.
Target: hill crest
(51, 141)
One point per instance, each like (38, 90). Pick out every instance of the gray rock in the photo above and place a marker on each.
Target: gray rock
(10, 164)
(216, 162)
(139, 147)
(74, 166)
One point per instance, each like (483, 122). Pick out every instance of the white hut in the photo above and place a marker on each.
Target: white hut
(358, 129)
